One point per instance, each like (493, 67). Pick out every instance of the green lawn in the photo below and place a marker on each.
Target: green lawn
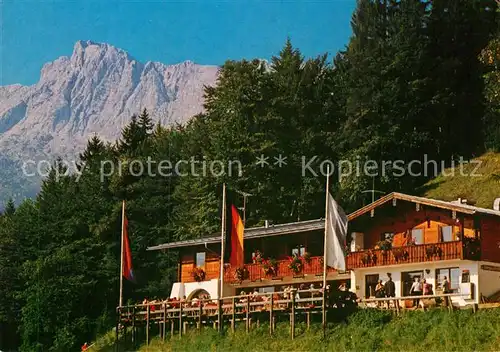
(481, 185)
(366, 330)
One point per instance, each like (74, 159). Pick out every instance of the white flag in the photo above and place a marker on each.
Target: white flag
(335, 235)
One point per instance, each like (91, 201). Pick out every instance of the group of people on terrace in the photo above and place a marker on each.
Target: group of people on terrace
(419, 287)
(284, 293)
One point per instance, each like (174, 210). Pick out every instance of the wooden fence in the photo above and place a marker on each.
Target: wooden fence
(176, 316)
(173, 317)
(395, 302)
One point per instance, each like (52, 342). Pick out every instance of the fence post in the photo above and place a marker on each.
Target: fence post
(324, 311)
(180, 319)
(219, 314)
(200, 312)
(271, 327)
(147, 324)
(133, 326)
(164, 321)
(292, 314)
(118, 319)
(248, 314)
(233, 318)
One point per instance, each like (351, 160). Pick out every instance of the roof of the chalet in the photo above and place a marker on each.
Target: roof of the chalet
(250, 233)
(318, 224)
(461, 208)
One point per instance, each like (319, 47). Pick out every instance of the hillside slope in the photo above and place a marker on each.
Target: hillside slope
(367, 330)
(479, 181)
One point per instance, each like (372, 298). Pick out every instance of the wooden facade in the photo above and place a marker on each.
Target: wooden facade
(396, 229)
(406, 254)
(443, 233)
(279, 248)
(490, 239)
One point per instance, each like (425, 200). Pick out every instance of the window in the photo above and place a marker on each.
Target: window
(200, 259)
(407, 280)
(299, 251)
(417, 235)
(387, 236)
(465, 276)
(453, 276)
(447, 233)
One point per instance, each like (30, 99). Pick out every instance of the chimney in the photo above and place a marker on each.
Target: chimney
(460, 201)
(267, 224)
(496, 204)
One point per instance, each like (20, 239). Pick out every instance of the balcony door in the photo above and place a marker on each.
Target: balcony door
(370, 284)
(417, 236)
(407, 279)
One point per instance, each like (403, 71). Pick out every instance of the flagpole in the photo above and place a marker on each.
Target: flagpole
(326, 224)
(324, 247)
(223, 232)
(121, 256)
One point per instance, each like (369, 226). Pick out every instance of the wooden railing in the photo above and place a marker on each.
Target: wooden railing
(178, 315)
(171, 317)
(406, 254)
(256, 271)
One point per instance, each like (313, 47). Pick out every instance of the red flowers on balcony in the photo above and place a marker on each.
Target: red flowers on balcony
(198, 274)
(257, 257)
(296, 265)
(241, 274)
(270, 267)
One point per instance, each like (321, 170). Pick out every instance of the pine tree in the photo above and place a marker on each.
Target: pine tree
(145, 123)
(132, 138)
(95, 149)
(10, 208)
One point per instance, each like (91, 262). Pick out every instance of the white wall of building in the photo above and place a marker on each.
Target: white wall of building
(181, 289)
(358, 276)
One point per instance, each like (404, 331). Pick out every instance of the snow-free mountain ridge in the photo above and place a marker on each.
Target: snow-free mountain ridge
(96, 90)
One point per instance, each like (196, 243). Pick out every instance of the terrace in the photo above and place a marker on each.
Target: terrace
(406, 254)
(268, 270)
(276, 270)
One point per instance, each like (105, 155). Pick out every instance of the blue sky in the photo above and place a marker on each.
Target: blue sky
(206, 32)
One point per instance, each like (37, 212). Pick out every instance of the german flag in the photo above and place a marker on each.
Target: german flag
(234, 253)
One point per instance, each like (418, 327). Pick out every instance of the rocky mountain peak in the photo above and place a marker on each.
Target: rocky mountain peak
(96, 90)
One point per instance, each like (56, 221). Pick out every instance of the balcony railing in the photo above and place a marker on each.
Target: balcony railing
(406, 254)
(256, 271)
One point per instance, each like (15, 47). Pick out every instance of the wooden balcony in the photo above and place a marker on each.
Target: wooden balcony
(256, 271)
(406, 254)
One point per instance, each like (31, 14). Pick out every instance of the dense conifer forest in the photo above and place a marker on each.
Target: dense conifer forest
(417, 78)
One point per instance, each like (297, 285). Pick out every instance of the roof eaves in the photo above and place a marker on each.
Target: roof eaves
(256, 232)
(462, 208)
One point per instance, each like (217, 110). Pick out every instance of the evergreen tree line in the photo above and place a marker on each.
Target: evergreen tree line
(417, 78)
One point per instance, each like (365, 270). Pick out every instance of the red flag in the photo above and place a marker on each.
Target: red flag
(128, 272)
(235, 237)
